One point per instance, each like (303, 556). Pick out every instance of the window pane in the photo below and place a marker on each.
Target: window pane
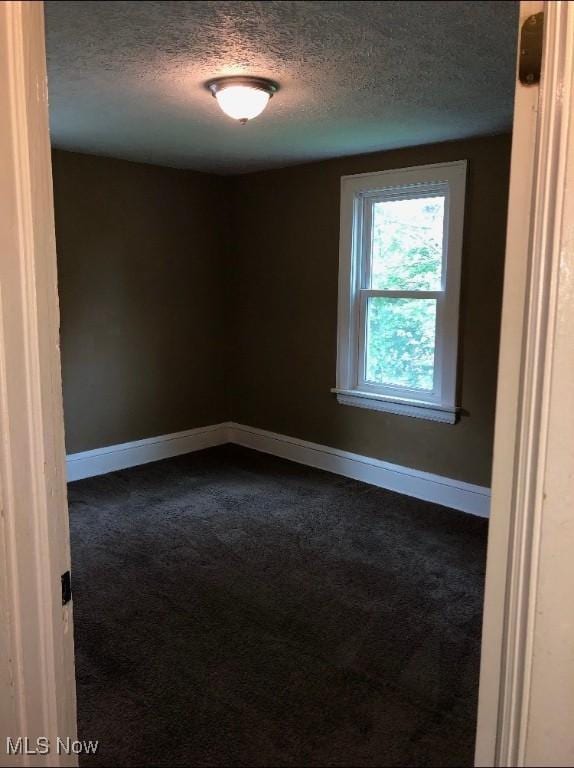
(400, 342)
(406, 248)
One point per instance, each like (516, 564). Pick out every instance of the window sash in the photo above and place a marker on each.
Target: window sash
(361, 382)
(399, 294)
(408, 192)
(364, 292)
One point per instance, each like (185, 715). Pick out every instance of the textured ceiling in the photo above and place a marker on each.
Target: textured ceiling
(126, 78)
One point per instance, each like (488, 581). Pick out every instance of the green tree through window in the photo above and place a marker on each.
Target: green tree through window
(406, 255)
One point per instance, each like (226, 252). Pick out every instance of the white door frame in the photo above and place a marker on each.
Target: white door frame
(527, 658)
(37, 693)
(528, 635)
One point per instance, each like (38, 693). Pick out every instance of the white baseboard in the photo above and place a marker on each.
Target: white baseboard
(124, 455)
(457, 494)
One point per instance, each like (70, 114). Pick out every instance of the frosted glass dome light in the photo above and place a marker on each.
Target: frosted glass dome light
(242, 102)
(242, 98)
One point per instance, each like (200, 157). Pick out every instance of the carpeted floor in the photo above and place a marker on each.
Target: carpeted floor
(233, 609)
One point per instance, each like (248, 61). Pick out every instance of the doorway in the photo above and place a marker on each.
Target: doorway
(45, 657)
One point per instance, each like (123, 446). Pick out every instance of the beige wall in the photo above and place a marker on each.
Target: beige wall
(140, 259)
(189, 299)
(284, 272)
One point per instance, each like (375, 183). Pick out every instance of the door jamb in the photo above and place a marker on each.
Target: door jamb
(36, 650)
(522, 422)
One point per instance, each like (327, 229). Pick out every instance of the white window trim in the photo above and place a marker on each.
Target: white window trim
(448, 179)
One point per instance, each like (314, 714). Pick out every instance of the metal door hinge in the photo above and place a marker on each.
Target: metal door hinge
(66, 587)
(530, 63)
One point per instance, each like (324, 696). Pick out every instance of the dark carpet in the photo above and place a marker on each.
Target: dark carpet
(234, 609)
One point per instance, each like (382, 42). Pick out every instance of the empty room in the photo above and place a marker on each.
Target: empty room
(280, 234)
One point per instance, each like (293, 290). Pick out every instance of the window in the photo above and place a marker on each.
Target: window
(399, 286)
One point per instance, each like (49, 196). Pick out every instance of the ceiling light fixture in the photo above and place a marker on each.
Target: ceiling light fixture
(240, 97)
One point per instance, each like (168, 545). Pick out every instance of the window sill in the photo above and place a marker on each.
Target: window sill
(399, 406)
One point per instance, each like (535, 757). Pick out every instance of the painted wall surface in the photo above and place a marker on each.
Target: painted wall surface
(284, 269)
(189, 299)
(140, 259)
